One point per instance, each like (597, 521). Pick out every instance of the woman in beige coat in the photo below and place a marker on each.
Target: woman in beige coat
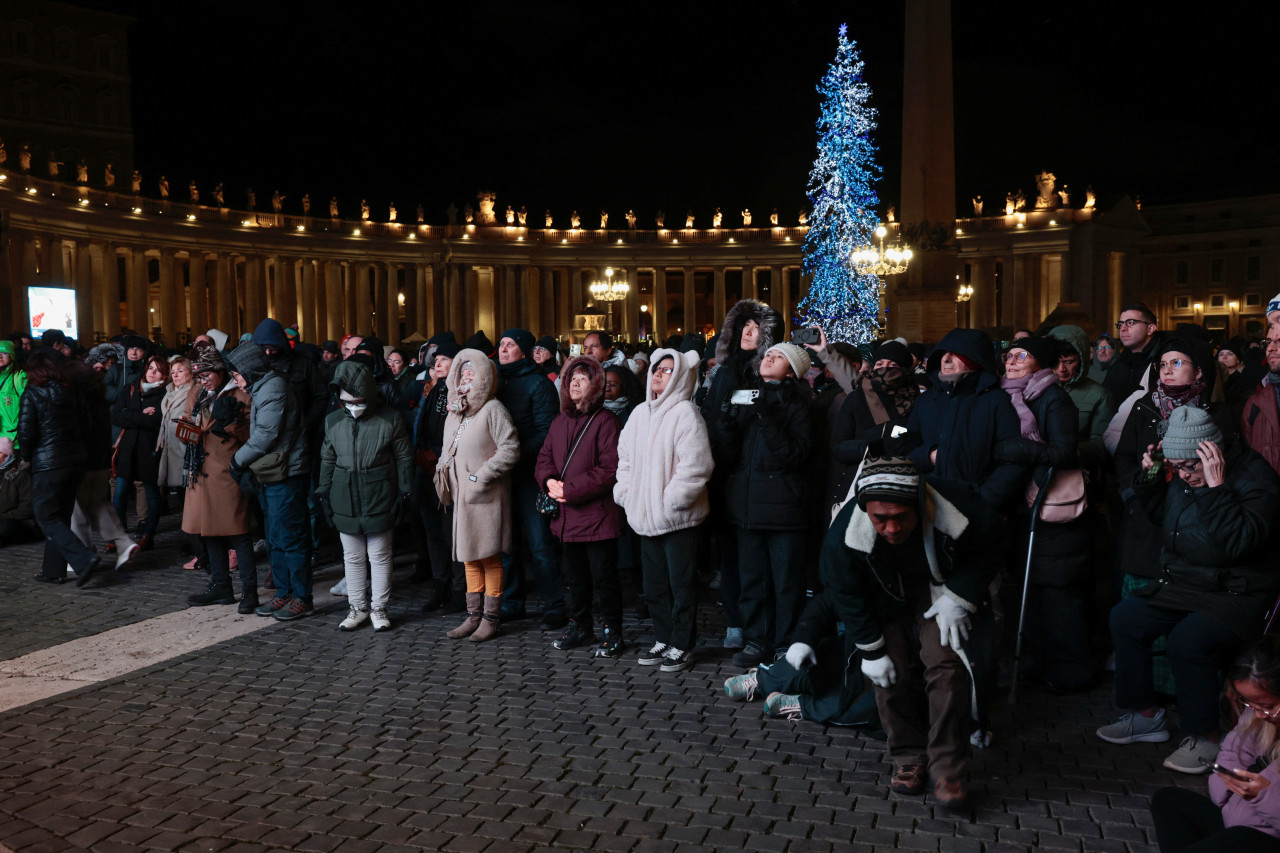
(480, 449)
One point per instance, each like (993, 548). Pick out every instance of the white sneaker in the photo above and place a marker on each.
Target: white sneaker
(260, 548)
(70, 571)
(675, 660)
(380, 620)
(126, 555)
(355, 618)
(339, 588)
(1193, 755)
(1135, 728)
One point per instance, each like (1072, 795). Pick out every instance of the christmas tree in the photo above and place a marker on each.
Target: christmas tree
(841, 300)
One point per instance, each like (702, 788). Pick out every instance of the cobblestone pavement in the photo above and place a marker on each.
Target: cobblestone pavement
(302, 737)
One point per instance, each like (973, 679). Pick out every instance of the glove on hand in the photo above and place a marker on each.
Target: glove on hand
(952, 619)
(800, 655)
(880, 671)
(225, 412)
(326, 508)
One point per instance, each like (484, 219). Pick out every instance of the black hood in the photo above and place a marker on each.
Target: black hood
(970, 343)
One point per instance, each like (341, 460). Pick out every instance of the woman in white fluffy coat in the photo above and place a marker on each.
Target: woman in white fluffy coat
(664, 464)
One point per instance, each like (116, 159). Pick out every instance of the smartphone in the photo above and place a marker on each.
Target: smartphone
(1156, 471)
(744, 397)
(806, 336)
(1225, 771)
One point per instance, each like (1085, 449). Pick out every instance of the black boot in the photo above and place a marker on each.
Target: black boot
(248, 600)
(215, 594)
(457, 602)
(439, 598)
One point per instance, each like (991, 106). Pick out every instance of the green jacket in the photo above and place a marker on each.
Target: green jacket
(1093, 402)
(366, 463)
(12, 383)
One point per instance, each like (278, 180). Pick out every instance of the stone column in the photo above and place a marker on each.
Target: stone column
(255, 293)
(412, 299)
(86, 281)
(387, 304)
(197, 293)
(511, 316)
(659, 304)
(749, 282)
(577, 294)
(564, 307)
(139, 292)
(308, 305)
(631, 305)
(14, 308)
(690, 308)
(455, 306)
(224, 303)
(106, 291)
(333, 300)
(427, 299)
(533, 283)
(363, 300)
(717, 305)
(780, 296)
(172, 316)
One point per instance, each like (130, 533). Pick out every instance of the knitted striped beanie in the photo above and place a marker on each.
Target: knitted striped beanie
(891, 478)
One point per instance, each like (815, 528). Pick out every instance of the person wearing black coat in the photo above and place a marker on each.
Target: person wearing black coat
(137, 414)
(1061, 566)
(768, 444)
(956, 425)
(449, 577)
(51, 416)
(533, 404)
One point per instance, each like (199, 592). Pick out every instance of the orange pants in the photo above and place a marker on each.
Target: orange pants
(485, 575)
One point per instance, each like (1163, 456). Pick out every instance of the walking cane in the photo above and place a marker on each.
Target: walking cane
(1026, 583)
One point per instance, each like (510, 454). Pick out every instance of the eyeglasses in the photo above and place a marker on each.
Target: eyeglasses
(1014, 356)
(1185, 467)
(1273, 342)
(1262, 712)
(1101, 347)
(667, 370)
(1129, 324)
(1174, 364)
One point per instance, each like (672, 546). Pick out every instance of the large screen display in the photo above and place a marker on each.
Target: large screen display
(52, 308)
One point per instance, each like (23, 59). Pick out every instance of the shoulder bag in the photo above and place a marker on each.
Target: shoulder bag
(547, 505)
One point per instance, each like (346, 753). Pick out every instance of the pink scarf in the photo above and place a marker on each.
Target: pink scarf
(1023, 391)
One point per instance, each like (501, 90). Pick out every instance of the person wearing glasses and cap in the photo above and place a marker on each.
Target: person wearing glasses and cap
(1217, 513)
(1137, 330)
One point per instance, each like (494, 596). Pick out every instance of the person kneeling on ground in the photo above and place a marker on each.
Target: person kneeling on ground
(1217, 576)
(908, 566)
(1242, 812)
(819, 680)
(365, 478)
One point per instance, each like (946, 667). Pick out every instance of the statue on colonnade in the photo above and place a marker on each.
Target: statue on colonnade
(364, 210)
(218, 198)
(1090, 200)
(422, 216)
(469, 215)
(1044, 189)
(511, 215)
(252, 198)
(548, 218)
(24, 158)
(746, 217)
(82, 171)
(977, 205)
(522, 215)
(631, 219)
(333, 207)
(661, 218)
(575, 221)
(306, 204)
(1065, 196)
(604, 219)
(4, 154)
(803, 217)
(164, 187)
(716, 218)
(892, 215)
(54, 164)
(135, 182)
(391, 212)
(109, 176)
(193, 191)
(1014, 202)
(688, 219)
(487, 216)
(277, 201)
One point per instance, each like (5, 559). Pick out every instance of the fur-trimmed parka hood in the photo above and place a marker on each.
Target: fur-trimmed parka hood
(486, 381)
(771, 328)
(595, 392)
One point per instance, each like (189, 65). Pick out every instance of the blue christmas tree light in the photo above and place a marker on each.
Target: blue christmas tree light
(841, 300)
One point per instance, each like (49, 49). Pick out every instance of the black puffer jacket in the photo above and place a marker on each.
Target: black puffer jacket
(137, 459)
(50, 423)
(964, 420)
(858, 431)
(738, 369)
(768, 486)
(532, 401)
(1219, 545)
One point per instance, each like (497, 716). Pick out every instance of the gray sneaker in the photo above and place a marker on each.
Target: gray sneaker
(339, 588)
(1193, 755)
(1135, 728)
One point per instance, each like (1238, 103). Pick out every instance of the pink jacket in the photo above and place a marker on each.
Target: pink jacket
(1263, 811)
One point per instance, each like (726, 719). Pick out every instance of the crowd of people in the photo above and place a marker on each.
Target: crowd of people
(895, 532)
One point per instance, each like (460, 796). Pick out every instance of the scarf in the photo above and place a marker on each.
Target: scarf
(618, 406)
(894, 385)
(1023, 391)
(1166, 398)
(151, 386)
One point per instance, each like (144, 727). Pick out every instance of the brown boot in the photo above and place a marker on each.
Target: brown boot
(492, 618)
(472, 620)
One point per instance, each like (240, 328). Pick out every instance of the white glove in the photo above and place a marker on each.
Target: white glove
(800, 655)
(880, 671)
(952, 619)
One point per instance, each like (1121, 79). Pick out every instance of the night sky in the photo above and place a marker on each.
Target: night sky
(677, 105)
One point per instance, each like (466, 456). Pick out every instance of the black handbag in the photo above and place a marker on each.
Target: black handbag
(547, 505)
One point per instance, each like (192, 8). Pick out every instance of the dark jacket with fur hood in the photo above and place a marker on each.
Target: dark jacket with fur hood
(588, 513)
(736, 368)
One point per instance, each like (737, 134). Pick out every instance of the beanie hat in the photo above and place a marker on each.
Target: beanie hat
(331, 346)
(795, 356)
(709, 351)
(481, 342)
(1273, 306)
(1186, 428)
(448, 349)
(134, 341)
(209, 359)
(523, 338)
(7, 346)
(895, 351)
(1042, 350)
(895, 479)
(548, 343)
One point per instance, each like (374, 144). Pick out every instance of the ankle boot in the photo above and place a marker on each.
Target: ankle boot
(475, 600)
(492, 619)
(248, 599)
(215, 593)
(439, 597)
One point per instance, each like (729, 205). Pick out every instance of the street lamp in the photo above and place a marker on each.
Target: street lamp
(877, 260)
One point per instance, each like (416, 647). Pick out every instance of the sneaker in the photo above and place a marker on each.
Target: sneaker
(339, 588)
(750, 656)
(380, 620)
(674, 660)
(355, 618)
(573, 637)
(295, 609)
(907, 779)
(742, 688)
(124, 557)
(1135, 728)
(260, 548)
(191, 564)
(1193, 755)
(951, 793)
(654, 656)
(783, 705)
(733, 638)
(611, 645)
(272, 606)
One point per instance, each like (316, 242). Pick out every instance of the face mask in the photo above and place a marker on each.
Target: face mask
(356, 409)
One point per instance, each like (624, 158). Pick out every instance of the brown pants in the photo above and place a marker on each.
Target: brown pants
(932, 679)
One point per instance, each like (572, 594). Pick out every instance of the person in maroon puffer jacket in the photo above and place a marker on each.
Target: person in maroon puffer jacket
(577, 467)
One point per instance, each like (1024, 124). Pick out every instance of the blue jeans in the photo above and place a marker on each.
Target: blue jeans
(771, 569)
(528, 521)
(1197, 645)
(288, 519)
(154, 503)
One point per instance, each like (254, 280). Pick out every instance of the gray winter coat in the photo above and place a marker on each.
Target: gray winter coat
(275, 423)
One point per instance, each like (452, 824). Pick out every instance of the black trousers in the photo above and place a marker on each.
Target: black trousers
(588, 567)
(670, 586)
(1187, 822)
(53, 499)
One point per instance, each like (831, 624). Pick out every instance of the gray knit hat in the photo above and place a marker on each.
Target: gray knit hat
(795, 356)
(1187, 427)
(895, 479)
